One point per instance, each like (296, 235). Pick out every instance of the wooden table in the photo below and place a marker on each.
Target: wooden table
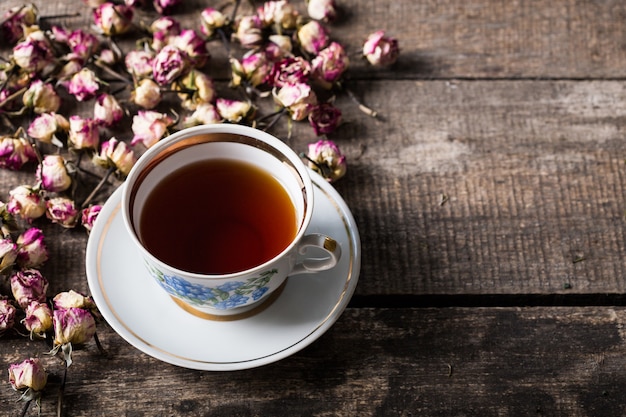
(489, 195)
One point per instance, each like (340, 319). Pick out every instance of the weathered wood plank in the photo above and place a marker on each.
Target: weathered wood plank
(479, 362)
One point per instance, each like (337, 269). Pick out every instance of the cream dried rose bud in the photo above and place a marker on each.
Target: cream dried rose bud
(139, 63)
(73, 325)
(32, 251)
(249, 31)
(325, 10)
(62, 211)
(196, 87)
(116, 154)
(41, 97)
(233, 110)
(26, 202)
(38, 319)
(89, 216)
(325, 158)
(312, 37)
(107, 110)
(71, 298)
(8, 254)
(147, 94)
(15, 152)
(205, 114)
(15, 19)
(381, 50)
(280, 13)
(53, 174)
(28, 375)
(149, 127)
(83, 133)
(113, 19)
(193, 45)
(27, 286)
(299, 99)
(7, 315)
(211, 20)
(46, 126)
(34, 54)
(254, 68)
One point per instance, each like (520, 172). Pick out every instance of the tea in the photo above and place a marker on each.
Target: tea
(216, 217)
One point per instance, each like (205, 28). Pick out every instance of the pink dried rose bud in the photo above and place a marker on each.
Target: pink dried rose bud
(70, 68)
(330, 64)
(8, 254)
(381, 50)
(165, 6)
(205, 114)
(325, 10)
(278, 47)
(34, 54)
(38, 319)
(41, 97)
(89, 216)
(233, 110)
(83, 44)
(107, 110)
(32, 251)
(147, 94)
(299, 99)
(113, 19)
(71, 298)
(73, 325)
(149, 127)
(193, 45)
(290, 70)
(28, 375)
(162, 29)
(7, 315)
(83, 85)
(211, 20)
(28, 285)
(324, 118)
(253, 68)
(279, 13)
(53, 174)
(62, 211)
(169, 64)
(312, 37)
(116, 154)
(83, 133)
(196, 88)
(15, 19)
(249, 31)
(15, 152)
(139, 63)
(326, 159)
(26, 202)
(45, 127)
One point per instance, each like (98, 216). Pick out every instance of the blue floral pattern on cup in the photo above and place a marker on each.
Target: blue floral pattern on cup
(228, 295)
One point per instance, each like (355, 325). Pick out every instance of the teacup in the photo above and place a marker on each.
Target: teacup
(219, 214)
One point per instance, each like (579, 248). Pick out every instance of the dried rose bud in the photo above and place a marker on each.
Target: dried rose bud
(330, 64)
(325, 10)
(7, 315)
(381, 50)
(63, 211)
(71, 298)
(162, 29)
(53, 175)
(26, 202)
(15, 152)
(324, 118)
(41, 97)
(169, 64)
(325, 158)
(297, 98)
(116, 154)
(113, 19)
(196, 88)
(107, 110)
(253, 68)
(193, 45)
(83, 133)
(27, 286)
(70, 68)
(32, 251)
(83, 85)
(278, 47)
(149, 127)
(73, 325)
(233, 110)
(312, 37)
(249, 33)
(108, 57)
(89, 216)
(14, 20)
(205, 114)
(147, 94)
(28, 375)
(45, 127)
(82, 44)
(38, 319)
(280, 13)
(211, 20)
(139, 63)
(34, 54)
(8, 254)
(165, 6)
(290, 70)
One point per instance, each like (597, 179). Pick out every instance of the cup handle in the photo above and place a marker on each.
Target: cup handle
(325, 243)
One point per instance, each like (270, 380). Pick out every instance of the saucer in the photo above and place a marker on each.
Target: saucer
(146, 317)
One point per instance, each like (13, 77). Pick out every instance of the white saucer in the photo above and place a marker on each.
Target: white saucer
(143, 314)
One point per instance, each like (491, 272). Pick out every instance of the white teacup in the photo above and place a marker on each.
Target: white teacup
(211, 288)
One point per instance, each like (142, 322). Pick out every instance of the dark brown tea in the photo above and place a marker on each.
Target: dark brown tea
(216, 217)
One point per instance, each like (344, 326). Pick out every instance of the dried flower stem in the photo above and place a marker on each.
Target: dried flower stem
(61, 392)
(13, 96)
(60, 16)
(98, 187)
(362, 107)
(25, 408)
